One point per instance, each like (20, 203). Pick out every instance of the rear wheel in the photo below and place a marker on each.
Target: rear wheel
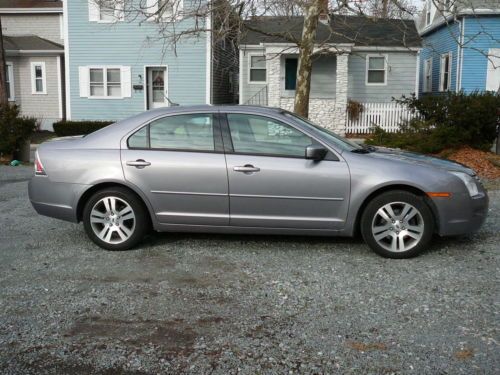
(397, 224)
(115, 219)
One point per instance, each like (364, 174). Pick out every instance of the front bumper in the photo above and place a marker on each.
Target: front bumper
(55, 199)
(461, 214)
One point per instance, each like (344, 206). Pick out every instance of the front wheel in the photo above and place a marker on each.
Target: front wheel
(115, 219)
(397, 224)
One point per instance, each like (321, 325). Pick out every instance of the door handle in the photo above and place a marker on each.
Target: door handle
(247, 168)
(139, 163)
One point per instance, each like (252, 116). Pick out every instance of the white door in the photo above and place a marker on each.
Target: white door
(493, 72)
(157, 89)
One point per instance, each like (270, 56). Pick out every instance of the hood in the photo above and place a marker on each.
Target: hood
(420, 159)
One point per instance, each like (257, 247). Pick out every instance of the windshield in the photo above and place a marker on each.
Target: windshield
(336, 139)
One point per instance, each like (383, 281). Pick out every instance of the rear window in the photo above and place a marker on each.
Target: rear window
(180, 132)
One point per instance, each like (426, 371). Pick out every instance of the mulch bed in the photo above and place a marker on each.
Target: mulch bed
(486, 164)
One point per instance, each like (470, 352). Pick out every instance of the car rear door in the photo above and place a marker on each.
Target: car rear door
(271, 184)
(178, 162)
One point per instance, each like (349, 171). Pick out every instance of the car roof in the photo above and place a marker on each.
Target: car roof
(212, 108)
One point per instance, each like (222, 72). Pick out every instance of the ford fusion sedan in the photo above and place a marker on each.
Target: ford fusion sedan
(250, 170)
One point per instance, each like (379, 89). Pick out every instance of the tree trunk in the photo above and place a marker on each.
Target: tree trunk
(4, 100)
(306, 49)
(385, 8)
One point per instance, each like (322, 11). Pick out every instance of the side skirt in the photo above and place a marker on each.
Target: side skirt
(247, 230)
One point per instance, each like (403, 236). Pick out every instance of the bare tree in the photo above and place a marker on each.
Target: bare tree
(232, 16)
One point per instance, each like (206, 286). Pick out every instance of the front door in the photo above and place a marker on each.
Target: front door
(271, 184)
(177, 161)
(156, 87)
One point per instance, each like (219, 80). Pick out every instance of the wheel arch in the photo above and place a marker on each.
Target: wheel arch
(107, 184)
(402, 187)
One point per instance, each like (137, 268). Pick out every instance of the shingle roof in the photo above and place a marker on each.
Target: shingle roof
(359, 30)
(29, 43)
(31, 4)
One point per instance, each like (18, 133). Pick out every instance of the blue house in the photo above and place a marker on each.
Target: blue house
(461, 46)
(120, 60)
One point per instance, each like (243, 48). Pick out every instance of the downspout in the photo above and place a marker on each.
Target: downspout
(460, 55)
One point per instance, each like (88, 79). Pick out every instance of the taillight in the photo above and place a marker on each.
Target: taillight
(39, 171)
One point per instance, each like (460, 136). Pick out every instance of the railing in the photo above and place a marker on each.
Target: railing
(388, 116)
(260, 98)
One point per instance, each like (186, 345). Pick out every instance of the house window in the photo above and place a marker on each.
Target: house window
(169, 8)
(376, 70)
(445, 77)
(428, 75)
(106, 11)
(257, 71)
(105, 82)
(291, 65)
(38, 81)
(428, 13)
(9, 81)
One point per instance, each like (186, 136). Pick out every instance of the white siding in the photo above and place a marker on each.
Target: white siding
(44, 107)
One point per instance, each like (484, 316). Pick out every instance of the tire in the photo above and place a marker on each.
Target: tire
(120, 228)
(397, 224)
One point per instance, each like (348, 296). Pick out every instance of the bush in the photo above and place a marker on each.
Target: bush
(450, 120)
(14, 129)
(68, 128)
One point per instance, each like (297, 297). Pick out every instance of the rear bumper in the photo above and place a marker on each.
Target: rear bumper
(55, 199)
(461, 214)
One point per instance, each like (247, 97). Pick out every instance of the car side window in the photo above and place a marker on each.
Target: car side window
(253, 134)
(178, 132)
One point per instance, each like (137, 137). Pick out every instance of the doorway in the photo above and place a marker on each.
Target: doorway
(156, 87)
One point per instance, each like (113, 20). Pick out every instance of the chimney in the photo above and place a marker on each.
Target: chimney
(324, 16)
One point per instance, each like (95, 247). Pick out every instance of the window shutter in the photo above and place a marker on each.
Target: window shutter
(94, 12)
(84, 81)
(126, 81)
(493, 72)
(151, 9)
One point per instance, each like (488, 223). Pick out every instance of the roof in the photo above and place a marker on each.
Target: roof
(26, 6)
(357, 30)
(30, 43)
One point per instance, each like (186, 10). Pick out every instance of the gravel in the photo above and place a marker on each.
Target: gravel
(186, 303)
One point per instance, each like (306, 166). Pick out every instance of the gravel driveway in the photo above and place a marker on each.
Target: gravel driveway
(240, 304)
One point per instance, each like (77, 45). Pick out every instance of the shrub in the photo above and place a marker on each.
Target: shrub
(68, 128)
(14, 129)
(450, 120)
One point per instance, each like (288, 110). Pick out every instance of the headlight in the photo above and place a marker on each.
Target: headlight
(469, 182)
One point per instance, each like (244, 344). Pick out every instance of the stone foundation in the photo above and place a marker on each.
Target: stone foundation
(321, 112)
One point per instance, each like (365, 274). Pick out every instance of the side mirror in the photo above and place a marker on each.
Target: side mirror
(316, 152)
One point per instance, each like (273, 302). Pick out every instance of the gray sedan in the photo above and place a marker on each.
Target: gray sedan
(253, 170)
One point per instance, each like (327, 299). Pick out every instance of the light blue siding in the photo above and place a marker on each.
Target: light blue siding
(480, 34)
(401, 76)
(133, 43)
(439, 42)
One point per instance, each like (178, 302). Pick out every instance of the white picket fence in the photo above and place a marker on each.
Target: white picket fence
(386, 115)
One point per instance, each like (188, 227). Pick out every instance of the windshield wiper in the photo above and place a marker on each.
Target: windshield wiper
(361, 151)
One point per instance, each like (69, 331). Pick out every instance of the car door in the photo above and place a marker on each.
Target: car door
(272, 184)
(178, 162)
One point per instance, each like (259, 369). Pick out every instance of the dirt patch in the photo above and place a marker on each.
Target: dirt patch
(365, 347)
(175, 337)
(464, 354)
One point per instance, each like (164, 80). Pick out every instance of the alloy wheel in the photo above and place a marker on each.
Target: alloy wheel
(397, 226)
(113, 220)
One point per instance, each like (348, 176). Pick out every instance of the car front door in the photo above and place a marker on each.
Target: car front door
(272, 184)
(178, 162)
